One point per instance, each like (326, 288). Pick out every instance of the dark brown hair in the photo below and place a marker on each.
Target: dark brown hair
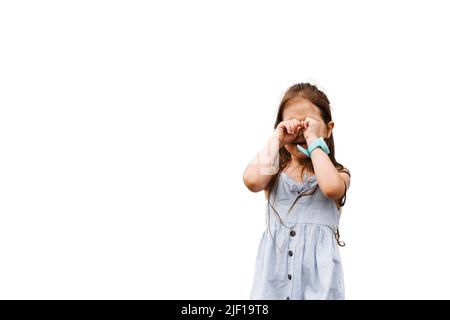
(319, 99)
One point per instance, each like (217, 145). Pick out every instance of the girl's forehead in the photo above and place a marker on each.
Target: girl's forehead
(300, 109)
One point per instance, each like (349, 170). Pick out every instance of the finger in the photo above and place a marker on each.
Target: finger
(311, 120)
(282, 126)
(288, 128)
(293, 127)
(306, 121)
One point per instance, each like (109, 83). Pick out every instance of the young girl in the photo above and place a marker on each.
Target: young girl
(305, 189)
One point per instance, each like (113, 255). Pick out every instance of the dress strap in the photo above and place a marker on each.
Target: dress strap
(337, 236)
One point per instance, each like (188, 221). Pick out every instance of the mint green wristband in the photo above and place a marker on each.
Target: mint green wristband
(318, 143)
(301, 149)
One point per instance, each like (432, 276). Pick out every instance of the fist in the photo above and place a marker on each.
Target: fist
(287, 131)
(313, 129)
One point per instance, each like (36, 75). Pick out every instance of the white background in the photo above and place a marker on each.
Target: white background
(125, 128)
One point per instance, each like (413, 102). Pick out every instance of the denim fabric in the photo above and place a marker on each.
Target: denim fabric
(299, 258)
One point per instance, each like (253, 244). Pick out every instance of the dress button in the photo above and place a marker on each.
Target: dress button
(292, 233)
(289, 277)
(290, 253)
(287, 298)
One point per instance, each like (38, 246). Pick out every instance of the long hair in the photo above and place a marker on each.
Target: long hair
(319, 99)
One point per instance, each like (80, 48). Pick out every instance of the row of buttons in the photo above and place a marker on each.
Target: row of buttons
(290, 253)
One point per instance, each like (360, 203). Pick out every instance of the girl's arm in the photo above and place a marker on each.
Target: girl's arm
(265, 164)
(330, 181)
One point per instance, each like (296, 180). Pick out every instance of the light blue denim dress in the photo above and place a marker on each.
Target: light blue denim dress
(299, 258)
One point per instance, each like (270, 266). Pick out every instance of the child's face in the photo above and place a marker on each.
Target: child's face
(300, 108)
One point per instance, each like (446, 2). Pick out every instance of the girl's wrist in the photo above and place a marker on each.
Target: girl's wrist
(311, 139)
